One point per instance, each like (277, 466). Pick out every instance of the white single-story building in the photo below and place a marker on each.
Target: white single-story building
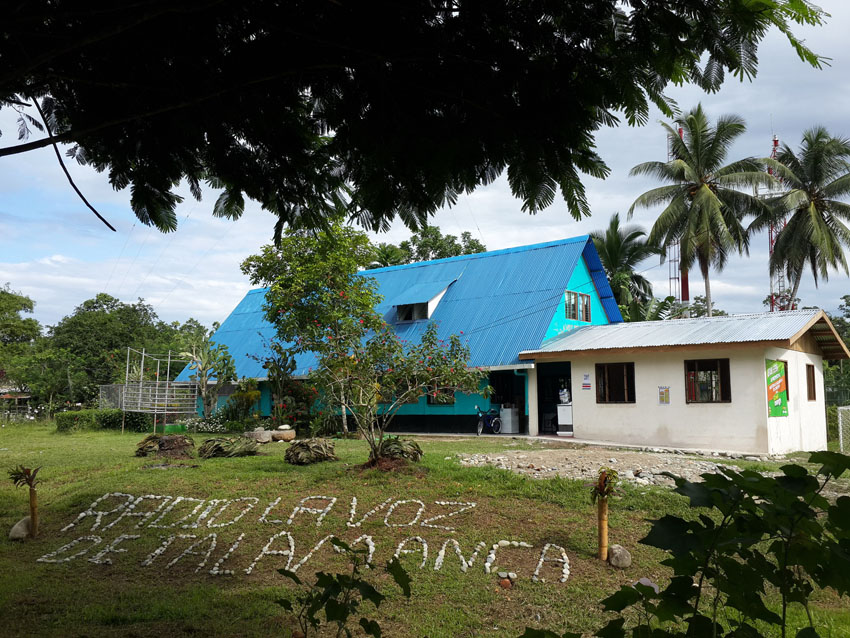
(746, 383)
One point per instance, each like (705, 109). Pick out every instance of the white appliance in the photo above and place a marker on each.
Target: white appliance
(565, 419)
(510, 420)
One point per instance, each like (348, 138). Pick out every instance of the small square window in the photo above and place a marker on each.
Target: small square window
(412, 312)
(615, 382)
(707, 381)
(577, 306)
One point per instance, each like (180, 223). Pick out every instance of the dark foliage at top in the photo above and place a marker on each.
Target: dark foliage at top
(373, 108)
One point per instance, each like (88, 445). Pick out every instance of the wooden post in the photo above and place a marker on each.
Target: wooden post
(602, 522)
(33, 513)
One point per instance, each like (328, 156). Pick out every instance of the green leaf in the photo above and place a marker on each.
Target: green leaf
(369, 593)
(613, 629)
(625, 597)
(808, 632)
(831, 462)
(539, 633)
(400, 576)
(371, 627)
(286, 604)
(336, 611)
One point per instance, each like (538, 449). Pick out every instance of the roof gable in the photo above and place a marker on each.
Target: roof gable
(501, 302)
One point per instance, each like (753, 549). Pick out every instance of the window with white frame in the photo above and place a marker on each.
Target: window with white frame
(577, 306)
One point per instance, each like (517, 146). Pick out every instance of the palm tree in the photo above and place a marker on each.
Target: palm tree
(814, 180)
(704, 209)
(621, 249)
(387, 255)
(653, 309)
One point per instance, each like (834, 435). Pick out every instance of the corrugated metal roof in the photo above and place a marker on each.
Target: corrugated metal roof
(422, 292)
(501, 302)
(770, 326)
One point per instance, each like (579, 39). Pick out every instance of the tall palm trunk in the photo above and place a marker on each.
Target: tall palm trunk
(707, 295)
(793, 298)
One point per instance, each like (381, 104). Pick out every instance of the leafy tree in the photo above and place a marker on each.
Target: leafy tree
(424, 245)
(52, 375)
(16, 331)
(378, 375)
(387, 255)
(782, 301)
(429, 243)
(703, 208)
(319, 303)
(621, 249)
(316, 300)
(697, 308)
(816, 179)
(99, 331)
(377, 110)
(651, 310)
(212, 367)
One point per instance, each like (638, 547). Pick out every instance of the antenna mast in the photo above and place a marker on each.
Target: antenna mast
(678, 275)
(778, 292)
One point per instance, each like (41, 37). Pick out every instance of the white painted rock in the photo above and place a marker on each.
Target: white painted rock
(284, 426)
(260, 436)
(619, 556)
(21, 530)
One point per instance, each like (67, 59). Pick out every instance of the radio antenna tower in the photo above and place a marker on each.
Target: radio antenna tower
(778, 292)
(678, 275)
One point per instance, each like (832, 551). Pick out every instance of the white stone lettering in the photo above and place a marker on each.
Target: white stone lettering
(101, 557)
(209, 540)
(267, 551)
(51, 557)
(562, 559)
(371, 512)
(464, 563)
(99, 514)
(272, 505)
(129, 511)
(216, 569)
(465, 507)
(180, 499)
(413, 539)
(250, 503)
(412, 522)
(312, 510)
(166, 543)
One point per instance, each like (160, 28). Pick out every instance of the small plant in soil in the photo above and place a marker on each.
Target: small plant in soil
(21, 476)
(599, 493)
(340, 596)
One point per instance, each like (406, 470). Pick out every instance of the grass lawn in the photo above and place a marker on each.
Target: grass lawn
(124, 598)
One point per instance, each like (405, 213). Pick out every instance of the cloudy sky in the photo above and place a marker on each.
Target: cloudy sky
(56, 252)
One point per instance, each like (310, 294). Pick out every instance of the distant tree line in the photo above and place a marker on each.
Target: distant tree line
(67, 363)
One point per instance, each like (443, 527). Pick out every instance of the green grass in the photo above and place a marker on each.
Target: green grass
(124, 599)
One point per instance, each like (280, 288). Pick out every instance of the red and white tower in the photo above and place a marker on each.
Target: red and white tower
(778, 292)
(677, 274)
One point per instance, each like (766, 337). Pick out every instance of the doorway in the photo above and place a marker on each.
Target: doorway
(554, 388)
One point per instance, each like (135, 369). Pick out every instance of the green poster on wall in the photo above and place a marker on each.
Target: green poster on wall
(777, 388)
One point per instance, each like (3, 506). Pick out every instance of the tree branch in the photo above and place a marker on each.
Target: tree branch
(65, 170)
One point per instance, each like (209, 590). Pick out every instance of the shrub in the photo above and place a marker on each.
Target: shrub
(310, 451)
(102, 420)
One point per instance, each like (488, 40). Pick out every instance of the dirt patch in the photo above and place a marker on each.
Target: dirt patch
(400, 465)
(638, 467)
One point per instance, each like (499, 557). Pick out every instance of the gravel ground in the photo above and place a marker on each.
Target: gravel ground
(638, 467)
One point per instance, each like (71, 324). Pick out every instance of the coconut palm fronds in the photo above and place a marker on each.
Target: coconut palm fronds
(394, 447)
(226, 447)
(310, 451)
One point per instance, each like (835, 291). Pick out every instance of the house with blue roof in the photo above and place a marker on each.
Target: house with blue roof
(501, 303)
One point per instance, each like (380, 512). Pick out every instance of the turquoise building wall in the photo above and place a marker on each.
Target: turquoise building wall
(580, 281)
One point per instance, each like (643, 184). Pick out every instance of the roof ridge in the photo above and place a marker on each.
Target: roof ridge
(489, 253)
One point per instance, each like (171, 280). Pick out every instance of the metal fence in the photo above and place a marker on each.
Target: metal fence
(837, 395)
(160, 397)
(111, 397)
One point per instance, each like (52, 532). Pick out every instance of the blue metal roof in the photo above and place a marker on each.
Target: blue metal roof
(500, 302)
(422, 292)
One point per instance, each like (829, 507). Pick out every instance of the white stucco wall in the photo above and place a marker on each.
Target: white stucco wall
(805, 426)
(741, 425)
